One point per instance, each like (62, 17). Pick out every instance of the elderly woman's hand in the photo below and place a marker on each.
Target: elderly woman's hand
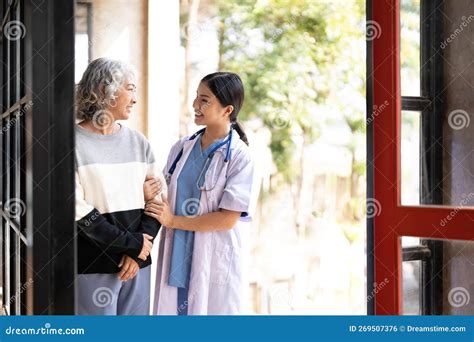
(160, 211)
(151, 188)
(128, 268)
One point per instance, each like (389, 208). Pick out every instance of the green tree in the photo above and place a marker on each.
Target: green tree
(295, 57)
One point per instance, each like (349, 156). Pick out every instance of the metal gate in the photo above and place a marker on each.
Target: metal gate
(37, 245)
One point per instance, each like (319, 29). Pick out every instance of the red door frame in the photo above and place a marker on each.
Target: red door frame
(392, 220)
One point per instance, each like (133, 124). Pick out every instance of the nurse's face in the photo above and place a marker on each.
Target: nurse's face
(207, 109)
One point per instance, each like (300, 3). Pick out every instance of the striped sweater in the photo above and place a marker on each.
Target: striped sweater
(110, 172)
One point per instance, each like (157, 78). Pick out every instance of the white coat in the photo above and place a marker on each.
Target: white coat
(216, 279)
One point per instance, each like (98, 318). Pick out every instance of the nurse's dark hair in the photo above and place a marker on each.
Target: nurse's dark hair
(228, 88)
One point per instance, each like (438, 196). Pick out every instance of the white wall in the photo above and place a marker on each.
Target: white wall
(164, 74)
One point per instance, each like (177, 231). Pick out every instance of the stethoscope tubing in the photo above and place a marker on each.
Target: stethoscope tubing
(227, 141)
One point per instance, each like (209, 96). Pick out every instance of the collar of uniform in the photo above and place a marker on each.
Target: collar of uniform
(188, 144)
(233, 143)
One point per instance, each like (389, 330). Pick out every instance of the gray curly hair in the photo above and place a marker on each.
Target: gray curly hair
(99, 83)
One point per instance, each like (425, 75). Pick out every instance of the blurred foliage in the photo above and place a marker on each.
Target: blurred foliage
(286, 52)
(410, 46)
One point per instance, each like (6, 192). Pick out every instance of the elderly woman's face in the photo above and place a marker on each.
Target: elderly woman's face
(124, 101)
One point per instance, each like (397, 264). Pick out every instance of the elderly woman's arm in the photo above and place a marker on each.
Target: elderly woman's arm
(148, 225)
(91, 222)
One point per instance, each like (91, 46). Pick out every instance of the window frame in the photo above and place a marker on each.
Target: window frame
(395, 220)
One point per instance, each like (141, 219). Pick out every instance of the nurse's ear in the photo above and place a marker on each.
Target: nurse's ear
(228, 110)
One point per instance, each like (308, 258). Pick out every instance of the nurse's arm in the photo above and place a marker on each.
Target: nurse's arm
(219, 220)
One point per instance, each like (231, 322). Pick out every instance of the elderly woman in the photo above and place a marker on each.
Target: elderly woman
(112, 163)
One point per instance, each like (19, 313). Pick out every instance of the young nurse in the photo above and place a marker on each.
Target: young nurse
(209, 177)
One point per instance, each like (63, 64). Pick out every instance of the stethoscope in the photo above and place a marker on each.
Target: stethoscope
(227, 140)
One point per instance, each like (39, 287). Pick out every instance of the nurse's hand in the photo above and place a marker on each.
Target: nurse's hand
(151, 188)
(160, 211)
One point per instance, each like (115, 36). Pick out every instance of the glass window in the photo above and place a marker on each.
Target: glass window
(410, 47)
(410, 157)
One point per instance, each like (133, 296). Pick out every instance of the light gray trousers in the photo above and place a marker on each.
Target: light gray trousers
(105, 294)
